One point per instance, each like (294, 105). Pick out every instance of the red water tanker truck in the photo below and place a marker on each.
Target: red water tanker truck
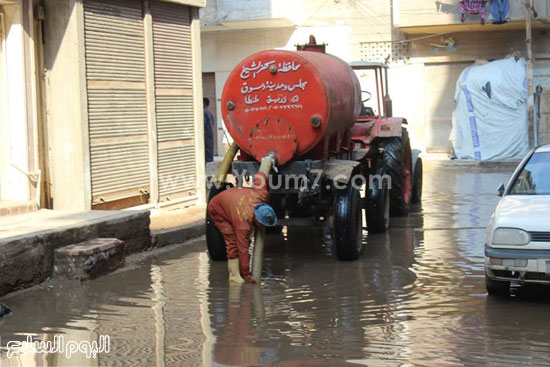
(336, 158)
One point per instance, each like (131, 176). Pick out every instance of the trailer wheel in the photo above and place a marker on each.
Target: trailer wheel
(214, 238)
(397, 163)
(378, 206)
(348, 226)
(417, 182)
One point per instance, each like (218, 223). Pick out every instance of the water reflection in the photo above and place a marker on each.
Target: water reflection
(416, 297)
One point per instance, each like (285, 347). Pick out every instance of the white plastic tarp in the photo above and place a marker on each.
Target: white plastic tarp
(490, 116)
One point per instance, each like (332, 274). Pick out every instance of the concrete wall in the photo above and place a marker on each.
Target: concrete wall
(353, 21)
(65, 83)
(414, 13)
(17, 110)
(236, 10)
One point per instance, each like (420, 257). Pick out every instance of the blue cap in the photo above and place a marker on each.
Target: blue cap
(265, 215)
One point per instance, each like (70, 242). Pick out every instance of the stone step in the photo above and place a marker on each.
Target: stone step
(89, 259)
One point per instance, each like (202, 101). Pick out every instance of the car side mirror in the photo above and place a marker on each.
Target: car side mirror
(501, 189)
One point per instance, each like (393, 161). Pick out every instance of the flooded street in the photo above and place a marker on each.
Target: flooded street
(416, 297)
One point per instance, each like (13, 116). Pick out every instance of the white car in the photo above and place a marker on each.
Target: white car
(517, 247)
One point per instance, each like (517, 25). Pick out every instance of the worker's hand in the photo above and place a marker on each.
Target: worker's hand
(249, 279)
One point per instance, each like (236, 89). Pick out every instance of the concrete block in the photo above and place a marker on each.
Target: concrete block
(89, 259)
(132, 229)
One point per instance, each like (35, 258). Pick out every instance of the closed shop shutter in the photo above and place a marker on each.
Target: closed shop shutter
(174, 99)
(117, 113)
(439, 91)
(209, 91)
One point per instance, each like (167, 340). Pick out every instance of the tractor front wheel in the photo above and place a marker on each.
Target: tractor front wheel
(378, 206)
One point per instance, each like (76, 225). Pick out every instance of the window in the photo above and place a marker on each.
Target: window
(534, 178)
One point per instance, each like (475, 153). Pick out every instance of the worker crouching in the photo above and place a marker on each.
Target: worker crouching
(235, 212)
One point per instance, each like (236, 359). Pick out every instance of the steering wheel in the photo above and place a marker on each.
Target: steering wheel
(369, 96)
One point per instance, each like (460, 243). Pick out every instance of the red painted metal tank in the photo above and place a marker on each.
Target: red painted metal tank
(287, 102)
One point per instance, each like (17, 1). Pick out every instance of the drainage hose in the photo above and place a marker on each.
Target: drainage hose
(259, 233)
(225, 166)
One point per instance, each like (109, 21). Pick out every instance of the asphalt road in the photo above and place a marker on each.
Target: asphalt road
(416, 297)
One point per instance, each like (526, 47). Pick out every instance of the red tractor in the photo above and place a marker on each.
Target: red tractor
(336, 157)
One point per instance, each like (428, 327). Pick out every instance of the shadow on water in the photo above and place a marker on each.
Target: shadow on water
(416, 296)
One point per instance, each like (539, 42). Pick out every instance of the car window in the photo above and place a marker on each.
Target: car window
(534, 178)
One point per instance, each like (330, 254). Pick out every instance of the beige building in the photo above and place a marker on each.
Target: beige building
(19, 158)
(101, 103)
(413, 36)
(440, 47)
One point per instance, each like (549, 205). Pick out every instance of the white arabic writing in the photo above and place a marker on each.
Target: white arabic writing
(249, 100)
(285, 67)
(281, 100)
(275, 107)
(257, 68)
(90, 349)
(272, 87)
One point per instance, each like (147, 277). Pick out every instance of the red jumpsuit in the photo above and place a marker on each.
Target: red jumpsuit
(232, 211)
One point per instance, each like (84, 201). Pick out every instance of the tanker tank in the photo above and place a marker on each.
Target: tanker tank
(288, 102)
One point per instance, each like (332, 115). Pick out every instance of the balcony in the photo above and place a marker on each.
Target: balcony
(435, 16)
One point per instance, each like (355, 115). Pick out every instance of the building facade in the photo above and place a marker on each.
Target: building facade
(441, 47)
(20, 175)
(425, 43)
(101, 103)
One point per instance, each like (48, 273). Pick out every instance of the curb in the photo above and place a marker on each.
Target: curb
(477, 165)
(172, 236)
(26, 260)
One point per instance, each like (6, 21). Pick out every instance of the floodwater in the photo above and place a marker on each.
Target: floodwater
(415, 298)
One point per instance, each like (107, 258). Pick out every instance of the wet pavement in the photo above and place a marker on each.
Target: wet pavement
(416, 297)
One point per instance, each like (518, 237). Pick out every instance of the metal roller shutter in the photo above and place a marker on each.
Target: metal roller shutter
(117, 113)
(174, 98)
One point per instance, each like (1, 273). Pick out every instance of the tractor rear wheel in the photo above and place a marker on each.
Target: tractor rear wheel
(214, 238)
(397, 163)
(378, 206)
(348, 223)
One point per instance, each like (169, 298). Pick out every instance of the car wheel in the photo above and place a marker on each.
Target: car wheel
(497, 287)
